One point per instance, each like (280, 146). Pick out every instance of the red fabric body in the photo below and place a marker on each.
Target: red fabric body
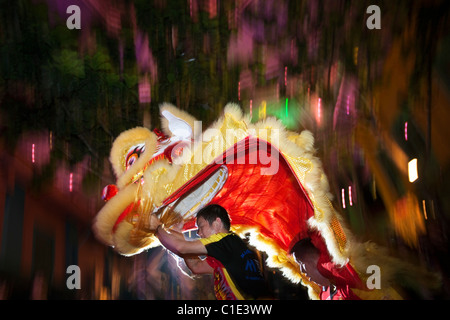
(276, 203)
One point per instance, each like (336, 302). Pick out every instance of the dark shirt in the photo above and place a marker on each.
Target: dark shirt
(237, 272)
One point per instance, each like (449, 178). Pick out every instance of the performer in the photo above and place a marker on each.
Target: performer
(336, 284)
(236, 268)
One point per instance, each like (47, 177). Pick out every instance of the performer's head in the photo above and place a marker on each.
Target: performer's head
(307, 256)
(212, 219)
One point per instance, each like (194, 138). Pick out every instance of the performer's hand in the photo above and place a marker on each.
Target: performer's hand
(153, 222)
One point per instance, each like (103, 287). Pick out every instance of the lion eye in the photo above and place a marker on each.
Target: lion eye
(132, 159)
(134, 154)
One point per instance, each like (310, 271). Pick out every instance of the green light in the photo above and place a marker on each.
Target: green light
(288, 112)
(286, 107)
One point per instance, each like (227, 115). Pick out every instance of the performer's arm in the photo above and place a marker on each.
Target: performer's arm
(175, 242)
(198, 266)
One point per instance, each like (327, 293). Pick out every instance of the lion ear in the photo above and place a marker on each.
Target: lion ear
(178, 127)
(176, 123)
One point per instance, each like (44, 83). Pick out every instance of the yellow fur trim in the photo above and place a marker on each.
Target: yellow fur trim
(122, 242)
(234, 110)
(107, 216)
(158, 182)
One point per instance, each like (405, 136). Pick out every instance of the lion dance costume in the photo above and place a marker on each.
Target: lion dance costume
(266, 177)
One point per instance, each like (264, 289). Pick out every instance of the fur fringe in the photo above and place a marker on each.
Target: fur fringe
(106, 218)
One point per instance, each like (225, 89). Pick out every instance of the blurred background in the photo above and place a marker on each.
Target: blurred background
(377, 101)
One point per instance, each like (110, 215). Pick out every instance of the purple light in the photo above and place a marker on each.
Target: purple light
(71, 182)
(285, 76)
(348, 104)
(350, 195)
(32, 153)
(406, 131)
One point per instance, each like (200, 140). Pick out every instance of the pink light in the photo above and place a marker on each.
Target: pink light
(406, 131)
(239, 91)
(32, 153)
(350, 195)
(71, 182)
(285, 76)
(212, 8)
(348, 105)
(319, 111)
(145, 93)
(251, 108)
(343, 198)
